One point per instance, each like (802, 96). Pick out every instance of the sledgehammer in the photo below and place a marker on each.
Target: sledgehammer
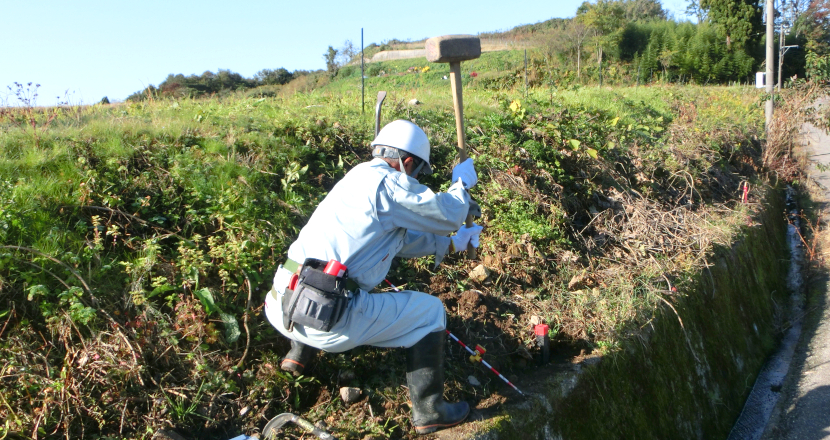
(454, 49)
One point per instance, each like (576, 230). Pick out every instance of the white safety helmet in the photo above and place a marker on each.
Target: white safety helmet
(404, 136)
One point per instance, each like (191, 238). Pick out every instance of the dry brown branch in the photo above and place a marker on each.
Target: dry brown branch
(11, 314)
(643, 228)
(810, 243)
(783, 131)
(245, 322)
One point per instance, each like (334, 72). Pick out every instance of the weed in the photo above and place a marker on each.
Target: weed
(184, 407)
(811, 240)
(294, 385)
(27, 116)
(169, 217)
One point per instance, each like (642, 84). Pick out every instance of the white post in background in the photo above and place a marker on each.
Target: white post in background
(781, 45)
(768, 110)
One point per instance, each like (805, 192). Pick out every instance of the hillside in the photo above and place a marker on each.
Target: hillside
(139, 240)
(618, 43)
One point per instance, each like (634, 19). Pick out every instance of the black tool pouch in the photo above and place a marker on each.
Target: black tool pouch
(318, 301)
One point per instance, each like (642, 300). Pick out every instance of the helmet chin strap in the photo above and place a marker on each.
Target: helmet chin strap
(391, 153)
(403, 170)
(418, 168)
(414, 172)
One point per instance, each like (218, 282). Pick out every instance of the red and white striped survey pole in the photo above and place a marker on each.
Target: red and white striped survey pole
(475, 356)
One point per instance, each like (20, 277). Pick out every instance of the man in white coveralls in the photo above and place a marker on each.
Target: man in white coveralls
(376, 212)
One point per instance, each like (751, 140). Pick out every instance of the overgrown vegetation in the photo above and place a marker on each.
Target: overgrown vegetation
(138, 240)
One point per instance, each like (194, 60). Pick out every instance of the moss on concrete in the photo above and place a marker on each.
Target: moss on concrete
(675, 381)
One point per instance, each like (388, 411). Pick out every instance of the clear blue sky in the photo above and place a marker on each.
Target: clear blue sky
(95, 48)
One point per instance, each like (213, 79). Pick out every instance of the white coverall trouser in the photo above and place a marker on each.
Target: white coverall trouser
(372, 215)
(394, 319)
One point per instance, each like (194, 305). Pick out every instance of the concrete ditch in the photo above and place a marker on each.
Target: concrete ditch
(687, 374)
(765, 393)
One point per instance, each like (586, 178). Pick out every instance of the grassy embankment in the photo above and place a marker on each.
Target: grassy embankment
(138, 241)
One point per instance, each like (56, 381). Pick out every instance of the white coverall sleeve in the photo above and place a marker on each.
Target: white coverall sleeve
(417, 208)
(427, 216)
(420, 244)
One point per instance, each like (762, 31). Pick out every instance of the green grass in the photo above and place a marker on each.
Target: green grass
(151, 202)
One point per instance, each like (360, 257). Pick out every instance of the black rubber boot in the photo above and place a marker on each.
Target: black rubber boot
(298, 357)
(425, 377)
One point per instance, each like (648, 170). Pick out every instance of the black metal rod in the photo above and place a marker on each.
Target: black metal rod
(525, 73)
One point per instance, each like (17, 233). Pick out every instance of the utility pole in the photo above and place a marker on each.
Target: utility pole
(768, 110)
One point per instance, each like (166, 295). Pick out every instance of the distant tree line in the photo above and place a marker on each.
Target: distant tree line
(209, 83)
(226, 81)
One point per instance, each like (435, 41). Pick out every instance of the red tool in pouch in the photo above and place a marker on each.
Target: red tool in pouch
(335, 268)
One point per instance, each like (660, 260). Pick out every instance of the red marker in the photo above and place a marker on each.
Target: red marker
(543, 341)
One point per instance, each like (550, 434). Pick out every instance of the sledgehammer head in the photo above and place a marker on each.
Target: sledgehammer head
(453, 48)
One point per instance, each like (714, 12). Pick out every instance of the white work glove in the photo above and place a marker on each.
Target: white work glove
(466, 236)
(466, 172)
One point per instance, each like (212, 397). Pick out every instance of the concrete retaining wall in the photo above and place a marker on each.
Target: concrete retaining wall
(388, 55)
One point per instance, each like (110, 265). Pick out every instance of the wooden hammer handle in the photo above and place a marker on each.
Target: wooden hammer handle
(458, 105)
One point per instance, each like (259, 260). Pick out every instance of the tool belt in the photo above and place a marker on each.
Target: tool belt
(314, 298)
